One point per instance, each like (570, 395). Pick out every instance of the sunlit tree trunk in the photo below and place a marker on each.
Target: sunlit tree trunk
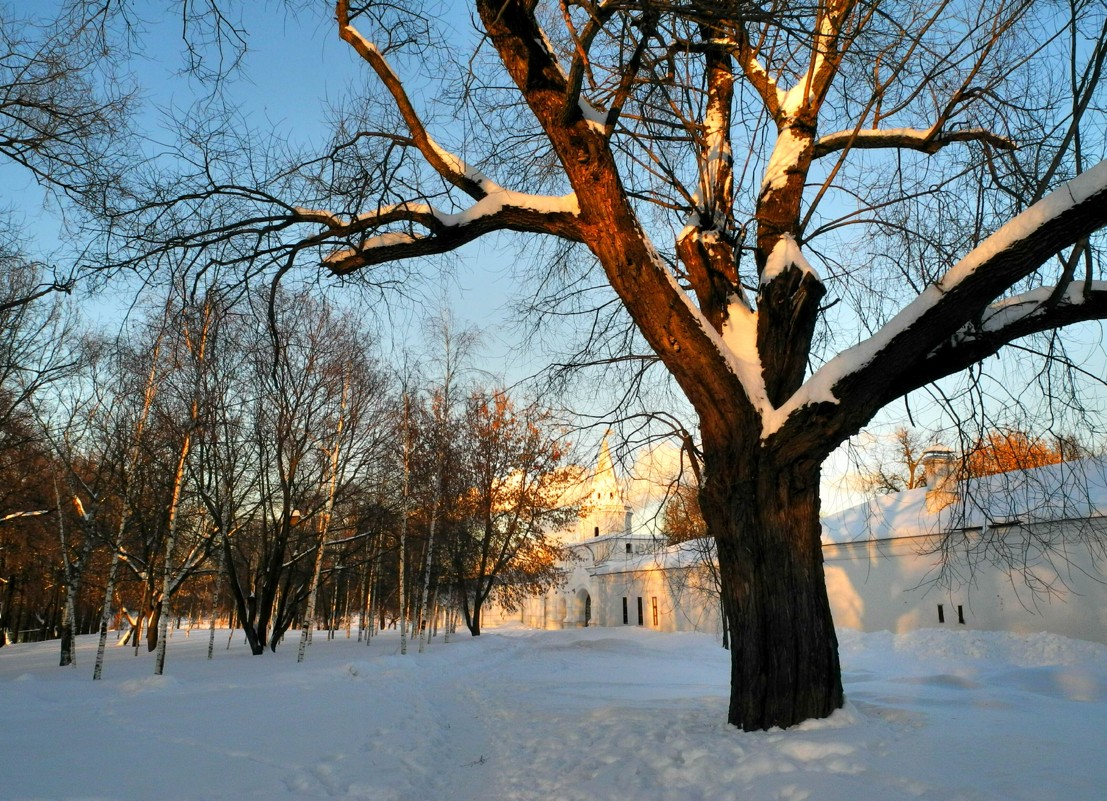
(324, 526)
(405, 508)
(196, 343)
(105, 615)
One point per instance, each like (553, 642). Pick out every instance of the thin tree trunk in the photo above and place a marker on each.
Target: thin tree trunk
(363, 603)
(309, 622)
(374, 591)
(422, 616)
(140, 614)
(105, 615)
(449, 613)
(170, 543)
(215, 592)
(74, 568)
(198, 349)
(332, 624)
(67, 615)
(404, 509)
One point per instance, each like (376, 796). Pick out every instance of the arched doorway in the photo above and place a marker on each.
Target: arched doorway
(582, 608)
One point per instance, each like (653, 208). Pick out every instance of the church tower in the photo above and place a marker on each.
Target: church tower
(606, 510)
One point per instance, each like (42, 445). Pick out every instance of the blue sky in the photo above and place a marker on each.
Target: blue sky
(295, 68)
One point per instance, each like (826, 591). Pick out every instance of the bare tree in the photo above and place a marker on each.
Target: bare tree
(511, 493)
(766, 419)
(935, 165)
(891, 466)
(313, 428)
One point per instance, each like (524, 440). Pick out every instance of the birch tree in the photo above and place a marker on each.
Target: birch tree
(194, 333)
(324, 525)
(453, 351)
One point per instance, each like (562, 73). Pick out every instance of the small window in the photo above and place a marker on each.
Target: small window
(941, 614)
(596, 531)
(641, 619)
(626, 616)
(960, 614)
(654, 605)
(628, 548)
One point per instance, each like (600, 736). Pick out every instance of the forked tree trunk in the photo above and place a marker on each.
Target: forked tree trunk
(784, 652)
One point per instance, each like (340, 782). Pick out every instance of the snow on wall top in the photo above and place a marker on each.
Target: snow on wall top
(1064, 491)
(687, 554)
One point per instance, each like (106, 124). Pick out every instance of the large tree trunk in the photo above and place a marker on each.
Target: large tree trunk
(784, 652)
(470, 613)
(472, 616)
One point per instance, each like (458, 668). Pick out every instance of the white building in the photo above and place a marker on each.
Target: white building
(1020, 552)
(621, 576)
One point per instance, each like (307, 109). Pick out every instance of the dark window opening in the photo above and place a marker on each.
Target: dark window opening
(641, 619)
(941, 614)
(960, 614)
(628, 547)
(596, 531)
(654, 604)
(626, 615)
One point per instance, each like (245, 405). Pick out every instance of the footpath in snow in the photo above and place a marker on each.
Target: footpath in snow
(519, 715)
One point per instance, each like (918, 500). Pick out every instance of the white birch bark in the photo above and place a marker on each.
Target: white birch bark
(170, 544)
(198, 350)
(404, 507)
(309, 616)
(105, 616)
(421, 619)
(307, 625)
(130, 460)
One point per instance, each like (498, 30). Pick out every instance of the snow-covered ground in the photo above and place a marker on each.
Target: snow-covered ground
(598, 714)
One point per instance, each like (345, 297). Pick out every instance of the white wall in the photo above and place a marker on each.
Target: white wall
(1055, 583)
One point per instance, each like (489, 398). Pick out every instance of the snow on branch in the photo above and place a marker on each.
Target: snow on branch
(450, 167)
(943, 310)
(929, 141)
(442, 231)
(1023, 310)
(1041, 309)
(785, 254)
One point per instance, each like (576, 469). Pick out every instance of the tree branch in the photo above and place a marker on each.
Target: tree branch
(450, 167)
(863, 378)
(500, 211)
(1004, 322)
(928, 141)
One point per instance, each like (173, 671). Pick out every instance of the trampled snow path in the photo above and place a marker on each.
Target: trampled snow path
(521, 715)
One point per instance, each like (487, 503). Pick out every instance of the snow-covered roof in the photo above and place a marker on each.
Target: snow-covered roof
(1064, 491)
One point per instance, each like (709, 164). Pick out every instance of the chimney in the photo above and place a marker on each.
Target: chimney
(938, 473)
